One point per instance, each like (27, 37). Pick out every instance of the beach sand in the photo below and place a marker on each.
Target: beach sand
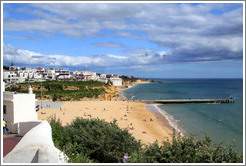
(134, 116)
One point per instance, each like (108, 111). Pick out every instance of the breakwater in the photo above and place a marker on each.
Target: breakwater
(182, 101)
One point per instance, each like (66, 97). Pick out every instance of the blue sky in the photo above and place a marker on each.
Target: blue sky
(168, 40)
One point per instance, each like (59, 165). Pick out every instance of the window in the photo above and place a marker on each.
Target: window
(4, 109)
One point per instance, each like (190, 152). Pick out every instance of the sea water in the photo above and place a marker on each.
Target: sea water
(221, 122)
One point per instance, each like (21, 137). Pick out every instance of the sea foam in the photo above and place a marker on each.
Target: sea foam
(173, 122)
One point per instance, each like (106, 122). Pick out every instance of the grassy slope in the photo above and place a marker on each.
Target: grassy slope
(64, 90)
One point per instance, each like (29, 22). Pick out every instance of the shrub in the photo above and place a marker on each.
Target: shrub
(79, 158)
(14, 88)
(187, 150)
(95, 140)
(101, 141)
(54, 97)
(57, 132)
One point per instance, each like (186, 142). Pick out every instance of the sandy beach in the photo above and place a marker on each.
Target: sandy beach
(133, 116)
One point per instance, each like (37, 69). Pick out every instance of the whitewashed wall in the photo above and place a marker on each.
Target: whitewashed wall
(20, 108)
(24, 108)
(36, 147)
(116, 81)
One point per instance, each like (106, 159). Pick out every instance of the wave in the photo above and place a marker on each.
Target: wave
(173, 122)
(128, 87)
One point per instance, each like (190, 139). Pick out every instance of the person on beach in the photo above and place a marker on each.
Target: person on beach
(5, 127)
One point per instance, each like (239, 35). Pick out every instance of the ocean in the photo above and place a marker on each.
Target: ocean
(221, 122)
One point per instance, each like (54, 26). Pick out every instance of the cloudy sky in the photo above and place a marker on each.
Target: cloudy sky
(151, 40)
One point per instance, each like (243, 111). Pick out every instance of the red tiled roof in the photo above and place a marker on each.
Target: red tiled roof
(9, 142)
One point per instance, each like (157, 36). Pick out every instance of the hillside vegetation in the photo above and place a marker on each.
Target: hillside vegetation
(94, 140)
(63, 90)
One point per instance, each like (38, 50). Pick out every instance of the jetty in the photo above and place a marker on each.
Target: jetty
(182, 101)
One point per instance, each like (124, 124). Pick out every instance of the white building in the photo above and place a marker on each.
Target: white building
(94, 76)
(37, 75)
(116, 81)
(77, 73)
(103, 76)
(18, 107)
(11, 76)
(7, 76)
(86, 73)
(24, 74)
(51, 74)
(62, 73)
(104, 80)
(30, 74)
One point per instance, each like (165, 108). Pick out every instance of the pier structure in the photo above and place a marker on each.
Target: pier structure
(182, 101)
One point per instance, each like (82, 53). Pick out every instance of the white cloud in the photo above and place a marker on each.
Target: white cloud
(190, 32)
(108, 45)
(19, 37)
(27, 57)
(117, 57)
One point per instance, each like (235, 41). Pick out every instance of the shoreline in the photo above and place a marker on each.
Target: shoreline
(121, 96)
(172, 123)
(166, 119)
(159, 116)
(162, 116)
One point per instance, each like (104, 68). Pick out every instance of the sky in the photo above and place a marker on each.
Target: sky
(148, 40)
